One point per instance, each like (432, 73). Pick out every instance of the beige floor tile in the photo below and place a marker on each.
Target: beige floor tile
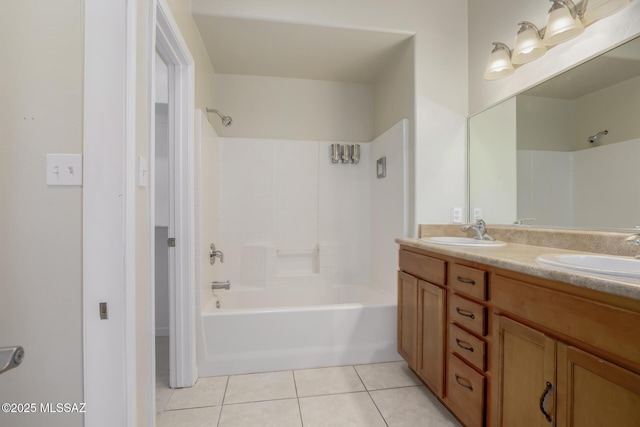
(412, 406)
(206, 392)
(258, 387)
(387, 375)
(199, 417)
(317, 382)
(337, 410)
(272, 413)
(163, 392)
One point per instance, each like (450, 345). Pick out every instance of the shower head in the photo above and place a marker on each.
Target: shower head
(226, 120)
(595, 139)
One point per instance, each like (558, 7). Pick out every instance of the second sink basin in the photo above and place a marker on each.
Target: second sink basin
(601, 264)
(462, 241)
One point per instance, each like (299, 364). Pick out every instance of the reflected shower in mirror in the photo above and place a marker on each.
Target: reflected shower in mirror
(564, 152)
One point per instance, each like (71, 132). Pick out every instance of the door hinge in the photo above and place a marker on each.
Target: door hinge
(171, 242)
(104, 314)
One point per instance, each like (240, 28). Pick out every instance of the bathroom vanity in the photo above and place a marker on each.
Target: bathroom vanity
(504, 341)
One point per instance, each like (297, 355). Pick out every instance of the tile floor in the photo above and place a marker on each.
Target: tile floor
(381, 394)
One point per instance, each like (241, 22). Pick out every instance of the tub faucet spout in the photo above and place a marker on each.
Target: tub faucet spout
(221, 285)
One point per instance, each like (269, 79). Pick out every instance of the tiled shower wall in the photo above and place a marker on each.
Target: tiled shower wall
(289, 215)
(574, 188)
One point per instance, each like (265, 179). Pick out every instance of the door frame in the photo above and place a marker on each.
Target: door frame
(109, 212)
(165, 37)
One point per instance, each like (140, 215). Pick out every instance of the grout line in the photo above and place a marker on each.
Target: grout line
(371, 397)
(295, 384)
(224, 395)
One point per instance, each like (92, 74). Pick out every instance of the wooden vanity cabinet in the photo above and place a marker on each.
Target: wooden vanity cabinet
(407, 336)
(422, 317)
(541, 376)
(441, 302)
(507, 349)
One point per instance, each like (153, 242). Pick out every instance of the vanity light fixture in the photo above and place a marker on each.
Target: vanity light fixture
(499, 65)
(598, 9)
(563, 23)
(528, 45)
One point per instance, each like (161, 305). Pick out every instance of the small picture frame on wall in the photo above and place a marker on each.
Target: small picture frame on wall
(381, 167)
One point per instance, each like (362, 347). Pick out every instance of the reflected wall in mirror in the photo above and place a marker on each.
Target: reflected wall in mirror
(566, 152)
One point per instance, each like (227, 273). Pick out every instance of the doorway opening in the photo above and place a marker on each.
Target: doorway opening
(171, 236)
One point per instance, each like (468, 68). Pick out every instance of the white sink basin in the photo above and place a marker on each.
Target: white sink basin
(601, 264)
(463, 241)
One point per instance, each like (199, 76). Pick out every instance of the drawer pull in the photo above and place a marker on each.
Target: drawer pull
(467, 281)
(465, 313)
(469, 386)
(543, 401)
(462, 345)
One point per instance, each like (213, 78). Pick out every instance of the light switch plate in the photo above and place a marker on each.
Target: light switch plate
(64, 169)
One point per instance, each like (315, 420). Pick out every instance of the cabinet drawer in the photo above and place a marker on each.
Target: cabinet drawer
(469, 314)
(469, 347)
(465, 392)
(430, 269)
(468, 280)
(611, 329)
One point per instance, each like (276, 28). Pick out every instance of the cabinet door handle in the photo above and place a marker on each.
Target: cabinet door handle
(543, 401)
(464, 345)
(464, 280)
(465, 313)
(469, 386)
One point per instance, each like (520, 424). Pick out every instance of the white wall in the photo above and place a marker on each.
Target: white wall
(41, 226)
(614, 108)
(389, 205)
(492, 175)
(545, 187)
(438, 166)
(284, 108)
(496, 20)
(545, 123)
(596, 172)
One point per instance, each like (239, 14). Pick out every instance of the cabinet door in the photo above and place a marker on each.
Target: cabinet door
(595, 393)
(525, 372)
(431, 333)
(408, 318)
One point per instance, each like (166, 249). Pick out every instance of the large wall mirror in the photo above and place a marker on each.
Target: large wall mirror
(565, 153)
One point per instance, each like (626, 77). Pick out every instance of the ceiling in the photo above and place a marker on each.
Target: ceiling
(615, 66)
(280, 49)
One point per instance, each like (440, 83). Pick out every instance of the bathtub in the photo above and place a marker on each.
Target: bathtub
(294, 327)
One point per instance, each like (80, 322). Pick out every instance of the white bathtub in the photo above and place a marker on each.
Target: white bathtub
(279, 329)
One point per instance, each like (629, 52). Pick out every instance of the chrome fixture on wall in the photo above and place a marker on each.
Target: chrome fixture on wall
(565, 21)
(213, 254)
(595, 139)
(226, 120)
(344, 153)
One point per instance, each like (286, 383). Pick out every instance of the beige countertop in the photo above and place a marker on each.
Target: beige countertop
(522, 258)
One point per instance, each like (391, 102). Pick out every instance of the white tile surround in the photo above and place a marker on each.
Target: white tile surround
(288, 214)
(569, 192)
(382, 394)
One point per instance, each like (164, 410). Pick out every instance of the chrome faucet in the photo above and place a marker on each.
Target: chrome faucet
(480, 228)
(221, 285)
(213, 254)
